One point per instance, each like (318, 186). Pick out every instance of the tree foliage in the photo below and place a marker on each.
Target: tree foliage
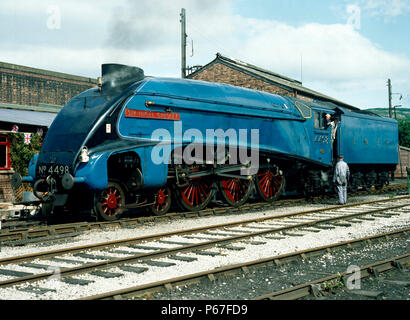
(21, 153)
(404, 133)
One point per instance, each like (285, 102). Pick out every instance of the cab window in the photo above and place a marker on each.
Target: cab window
(319, 120)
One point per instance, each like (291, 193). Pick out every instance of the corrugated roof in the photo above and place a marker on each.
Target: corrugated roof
(272, 77)
(259, 70)
(42, 107)
(43, 119)
(36, 71)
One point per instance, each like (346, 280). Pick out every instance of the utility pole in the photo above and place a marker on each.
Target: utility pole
(390, 106)
(183, 43)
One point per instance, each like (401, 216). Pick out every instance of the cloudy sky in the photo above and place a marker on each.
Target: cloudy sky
(344, 48)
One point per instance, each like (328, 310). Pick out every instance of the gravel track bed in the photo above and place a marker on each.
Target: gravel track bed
(389, 285)
(262, 280)
(251, 252)
(98, 236)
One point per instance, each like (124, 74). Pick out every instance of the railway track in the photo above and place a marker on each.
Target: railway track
(17, 233)
(295, 292)
(197, 241)
(324, 285)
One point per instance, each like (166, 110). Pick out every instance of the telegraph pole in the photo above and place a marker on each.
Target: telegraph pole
(390, 106)
(183, 43)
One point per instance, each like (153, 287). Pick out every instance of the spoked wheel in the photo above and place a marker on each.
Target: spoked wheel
(235, 191)
(111, 202)
(197, 194)
(162, 201)
(270, 183)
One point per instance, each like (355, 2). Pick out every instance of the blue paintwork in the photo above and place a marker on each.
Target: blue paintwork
(71, 127)
(283, 131)
(203, 105)
(368, 139)
(154, 175)
(95, 171)
(319, 140)
(32, 166)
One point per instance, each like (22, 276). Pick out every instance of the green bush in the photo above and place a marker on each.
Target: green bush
(21, 153)
(404, 133)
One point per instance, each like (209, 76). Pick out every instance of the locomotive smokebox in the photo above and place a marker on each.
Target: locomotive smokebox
(117, 77)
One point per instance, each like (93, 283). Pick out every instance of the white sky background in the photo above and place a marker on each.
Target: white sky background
(76, 37)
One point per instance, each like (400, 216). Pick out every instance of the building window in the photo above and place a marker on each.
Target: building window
(4, 153)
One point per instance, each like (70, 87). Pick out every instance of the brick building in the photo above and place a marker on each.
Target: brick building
(29, 86)
(30, 98)
(242, 74)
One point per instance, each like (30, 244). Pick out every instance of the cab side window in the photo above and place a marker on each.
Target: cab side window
(317, 119)
(320, 120)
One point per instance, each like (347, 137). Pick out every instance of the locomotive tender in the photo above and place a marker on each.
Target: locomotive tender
(137, 141)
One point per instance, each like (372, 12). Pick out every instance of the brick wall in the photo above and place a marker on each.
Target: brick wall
(6, 191)
(219, 72)
(302, 97)
(29, 86)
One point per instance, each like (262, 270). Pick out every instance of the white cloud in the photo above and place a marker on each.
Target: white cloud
(337, 59)
(391, 8)
(87, 62)
(330, 52)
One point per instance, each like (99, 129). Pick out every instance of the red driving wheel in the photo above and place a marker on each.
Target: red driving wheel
(197, 194)
(270, 184)
(162, 201)
(235, 191)
(111, 202)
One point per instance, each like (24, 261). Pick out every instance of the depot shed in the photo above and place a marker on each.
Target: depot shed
(404, 162)
(30, 98)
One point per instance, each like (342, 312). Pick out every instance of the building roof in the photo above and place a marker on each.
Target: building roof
(271, 77)
(48, 73)
(42, 107)
(38, 116)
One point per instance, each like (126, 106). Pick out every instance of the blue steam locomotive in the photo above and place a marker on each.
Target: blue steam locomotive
(137, 141)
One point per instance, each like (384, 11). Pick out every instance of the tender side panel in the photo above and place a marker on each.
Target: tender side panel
(368, 140)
